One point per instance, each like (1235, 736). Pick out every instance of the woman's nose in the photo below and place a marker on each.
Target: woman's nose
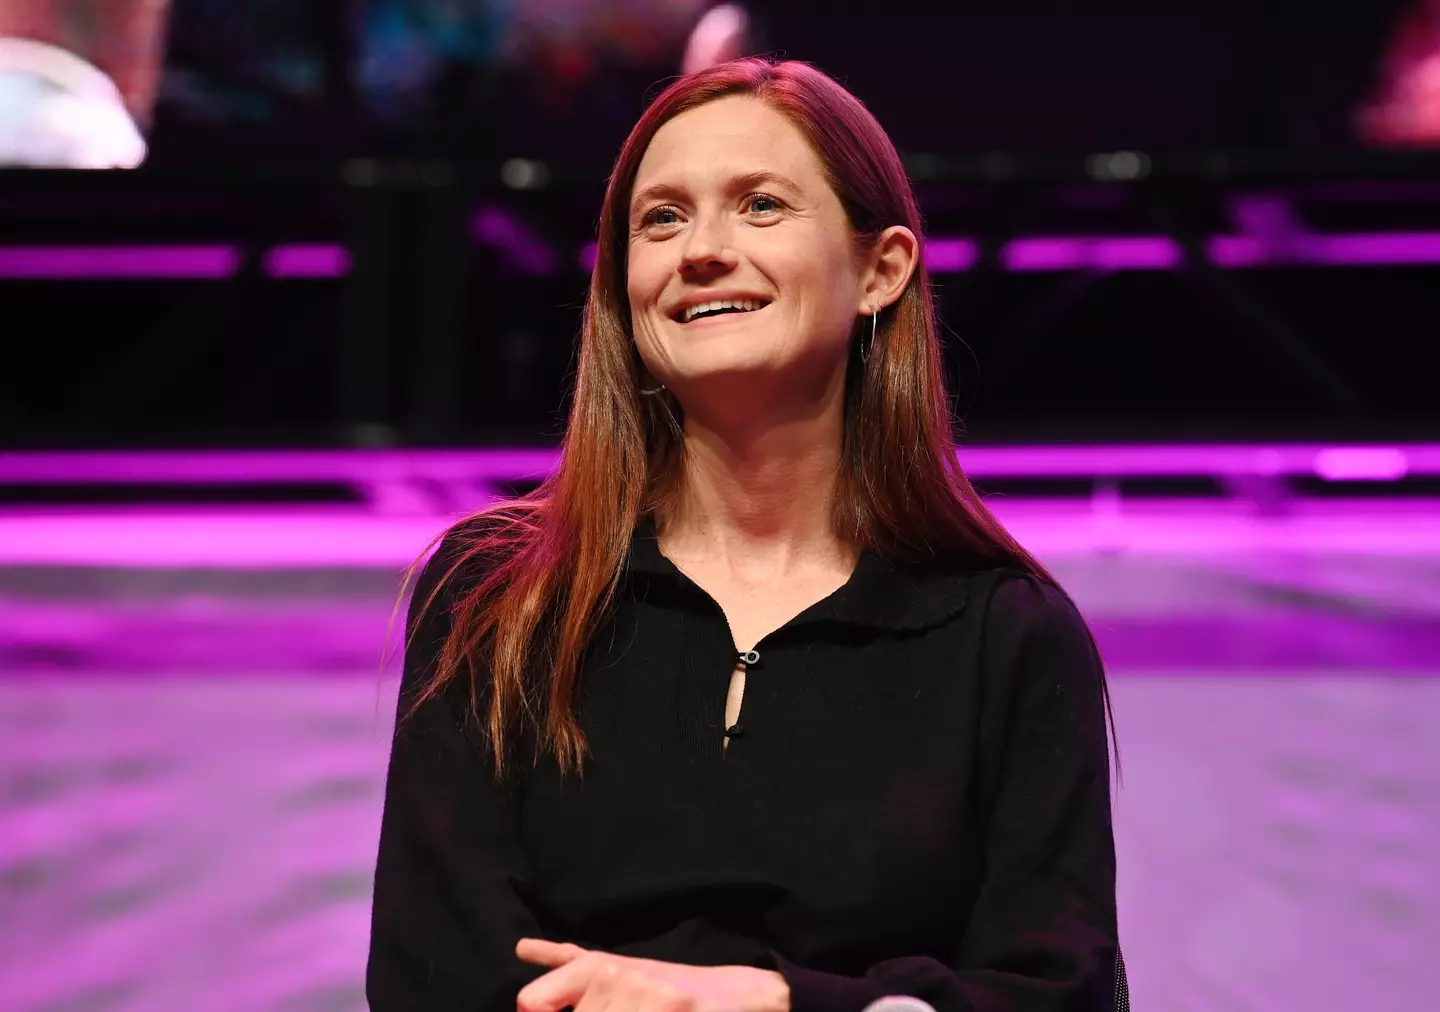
(707, 247)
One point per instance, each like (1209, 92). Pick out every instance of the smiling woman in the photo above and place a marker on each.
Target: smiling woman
(733, 205)
(841, 736)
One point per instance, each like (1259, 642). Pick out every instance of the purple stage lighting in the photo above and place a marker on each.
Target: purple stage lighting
(1361, 464)
(529, 254)
(64, 263)
(1138, 253)
(377, 532)
(1332, 462)
(307, 260)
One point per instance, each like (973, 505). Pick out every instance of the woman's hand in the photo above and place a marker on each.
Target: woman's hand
(595, 981)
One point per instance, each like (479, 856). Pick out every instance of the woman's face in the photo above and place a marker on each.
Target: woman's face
(730, 203)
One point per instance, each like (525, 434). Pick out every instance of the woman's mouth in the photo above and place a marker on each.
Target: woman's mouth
(700, 313)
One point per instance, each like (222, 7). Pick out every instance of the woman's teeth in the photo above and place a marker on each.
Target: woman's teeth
(744, 305)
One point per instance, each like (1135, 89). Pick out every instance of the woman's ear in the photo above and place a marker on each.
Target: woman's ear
(892, 262)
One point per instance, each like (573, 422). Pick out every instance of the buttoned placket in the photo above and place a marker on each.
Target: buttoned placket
(749, 659)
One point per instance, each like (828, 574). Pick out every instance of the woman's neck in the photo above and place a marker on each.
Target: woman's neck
(758, 508)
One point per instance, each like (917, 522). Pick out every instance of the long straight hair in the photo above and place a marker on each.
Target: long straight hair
(555, 555)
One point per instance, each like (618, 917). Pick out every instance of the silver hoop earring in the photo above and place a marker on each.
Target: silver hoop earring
(874, 323)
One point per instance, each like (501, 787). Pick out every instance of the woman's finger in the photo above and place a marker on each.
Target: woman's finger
(605, 994)
(565, 985)
(546, 953)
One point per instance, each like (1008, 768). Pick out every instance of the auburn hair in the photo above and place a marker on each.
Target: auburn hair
(554, 556)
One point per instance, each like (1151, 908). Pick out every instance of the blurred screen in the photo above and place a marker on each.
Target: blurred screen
(455, 75)
(571, 76)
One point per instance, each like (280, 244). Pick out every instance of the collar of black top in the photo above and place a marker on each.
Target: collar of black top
(878, 595)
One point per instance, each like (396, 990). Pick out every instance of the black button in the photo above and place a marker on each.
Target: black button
(734, 731)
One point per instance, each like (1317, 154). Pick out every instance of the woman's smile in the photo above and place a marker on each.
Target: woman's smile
(706, 321)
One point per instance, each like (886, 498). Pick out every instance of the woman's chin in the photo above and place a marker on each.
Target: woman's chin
(724, 369)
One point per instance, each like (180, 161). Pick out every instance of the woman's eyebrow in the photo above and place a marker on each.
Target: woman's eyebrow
(766, 177)
(743, 181)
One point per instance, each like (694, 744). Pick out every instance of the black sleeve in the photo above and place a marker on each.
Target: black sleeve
(1042, 934)
(451, 880)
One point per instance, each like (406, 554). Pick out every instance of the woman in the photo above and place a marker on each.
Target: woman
(590, 802)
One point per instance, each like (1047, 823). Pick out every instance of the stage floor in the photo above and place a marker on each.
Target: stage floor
(194, 720)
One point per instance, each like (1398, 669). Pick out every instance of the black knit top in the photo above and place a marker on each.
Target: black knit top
(915, 800)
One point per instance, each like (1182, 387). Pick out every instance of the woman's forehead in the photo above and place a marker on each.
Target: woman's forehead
(726, 140)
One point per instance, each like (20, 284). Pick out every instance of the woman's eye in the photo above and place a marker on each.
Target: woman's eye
(653, 218)
(762, 199)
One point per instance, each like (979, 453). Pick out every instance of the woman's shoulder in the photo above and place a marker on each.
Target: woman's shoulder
(444, 586)
(471, 548)
(1004, 587)
(1023, 608)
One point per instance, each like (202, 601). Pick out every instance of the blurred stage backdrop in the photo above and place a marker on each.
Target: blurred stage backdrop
(1188, 264)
